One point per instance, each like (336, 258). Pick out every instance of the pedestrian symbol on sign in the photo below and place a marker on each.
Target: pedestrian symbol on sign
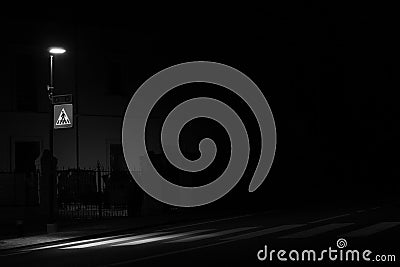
(63, 118)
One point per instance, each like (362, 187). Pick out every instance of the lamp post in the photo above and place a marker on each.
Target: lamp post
(50, 90)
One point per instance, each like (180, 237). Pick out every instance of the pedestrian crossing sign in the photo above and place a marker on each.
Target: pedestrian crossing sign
(63, 116)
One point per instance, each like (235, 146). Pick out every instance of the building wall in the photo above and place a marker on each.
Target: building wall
(97, 70)
(96, 133)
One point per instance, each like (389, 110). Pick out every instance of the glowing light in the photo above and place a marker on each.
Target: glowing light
(56, 50)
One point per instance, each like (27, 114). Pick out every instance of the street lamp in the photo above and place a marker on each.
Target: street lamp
(56, 50)
(50, 90)
(53, 51)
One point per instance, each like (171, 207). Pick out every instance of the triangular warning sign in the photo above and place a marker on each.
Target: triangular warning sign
(63, 118)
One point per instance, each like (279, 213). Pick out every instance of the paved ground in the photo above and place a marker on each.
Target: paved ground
(232, 240)
(80, 230)
(92, 229)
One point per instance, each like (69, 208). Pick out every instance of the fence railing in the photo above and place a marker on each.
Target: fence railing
(81, 194)
(87, 194)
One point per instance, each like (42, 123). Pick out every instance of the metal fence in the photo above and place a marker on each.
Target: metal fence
(81, 194)
(88, 194)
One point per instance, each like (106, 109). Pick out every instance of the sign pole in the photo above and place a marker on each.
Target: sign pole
(51, 225)
(50, 89)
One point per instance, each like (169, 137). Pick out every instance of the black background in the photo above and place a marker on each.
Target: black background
(328, 74)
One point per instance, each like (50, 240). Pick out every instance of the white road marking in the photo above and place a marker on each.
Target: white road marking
(373, 229)
(75, 242)
(25, 250)
(160, 238)
(317, 230)
(207, 222)
(125, 235)
(265, 231)
(330, 218)
(116, 240)
(168, 253)
(205, 236)
(180, 251)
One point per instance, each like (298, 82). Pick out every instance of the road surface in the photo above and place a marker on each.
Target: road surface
(231, 241)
